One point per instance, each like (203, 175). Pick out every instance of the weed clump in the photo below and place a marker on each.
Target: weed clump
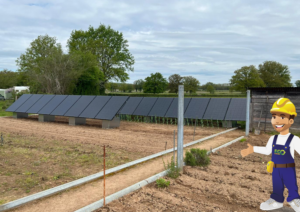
(162, 183)
(242, 140)
(172, 169)
(197, 157)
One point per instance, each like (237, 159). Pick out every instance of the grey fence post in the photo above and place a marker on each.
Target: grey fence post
(248, 113)
(180, 127)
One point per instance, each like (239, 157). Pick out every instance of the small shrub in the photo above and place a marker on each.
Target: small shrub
(162, 183)
(197, 157)
(242, 140)
(172, 170)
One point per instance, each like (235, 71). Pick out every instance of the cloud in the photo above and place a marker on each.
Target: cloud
(205, 39)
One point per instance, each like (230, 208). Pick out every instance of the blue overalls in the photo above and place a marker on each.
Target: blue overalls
(283, 176)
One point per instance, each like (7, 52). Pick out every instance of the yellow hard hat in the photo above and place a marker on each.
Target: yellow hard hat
(284, 105)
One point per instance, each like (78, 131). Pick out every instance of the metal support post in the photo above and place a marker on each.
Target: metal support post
(180, 127)
(248, 113)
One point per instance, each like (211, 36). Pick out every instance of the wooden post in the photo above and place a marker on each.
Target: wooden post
(104, 175)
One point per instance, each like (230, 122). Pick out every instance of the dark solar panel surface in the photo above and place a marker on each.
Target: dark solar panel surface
(217, 108)
(130, 106)
(196, 108)
(161, 107)
(29, 103)
(145, 106)
(65, 105)
(94, 107)
(40, 104)
(79, 106)
(18, 103)
(237, 110)
(52, 104)
(173, 109)
(112, 107)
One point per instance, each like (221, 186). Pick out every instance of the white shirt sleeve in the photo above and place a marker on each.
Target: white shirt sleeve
(267, 149)
(296, 144)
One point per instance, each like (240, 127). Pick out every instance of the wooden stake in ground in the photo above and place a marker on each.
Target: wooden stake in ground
(104, 175)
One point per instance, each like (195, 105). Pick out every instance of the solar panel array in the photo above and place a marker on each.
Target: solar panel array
(106, 107)
(99, 107)
(237, 110)
(217, 108)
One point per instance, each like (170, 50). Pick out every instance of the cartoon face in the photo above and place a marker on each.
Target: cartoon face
(280, 121)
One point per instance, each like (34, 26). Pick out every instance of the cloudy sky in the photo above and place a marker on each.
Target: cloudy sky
(205, 39)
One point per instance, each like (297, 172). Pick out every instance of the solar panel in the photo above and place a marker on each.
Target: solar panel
(130, 106)
(173, 109)
(237, 110)
(52, 104)
(40, 104)
(112, 107)
(29, 103)
(145, 106)
(79, 106)
(95, 107)
(196, 108)
(217, 108)
(18, 103)
(160, 107)
(63, 107)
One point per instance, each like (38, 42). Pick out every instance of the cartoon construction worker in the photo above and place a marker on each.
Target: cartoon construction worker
(282, 147)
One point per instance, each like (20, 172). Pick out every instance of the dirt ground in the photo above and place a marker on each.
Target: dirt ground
(229, 184)
(38, 156)
(136, 138)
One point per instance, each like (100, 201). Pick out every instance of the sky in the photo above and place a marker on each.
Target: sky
(205, 39)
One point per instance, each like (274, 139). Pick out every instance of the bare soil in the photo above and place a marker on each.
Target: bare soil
(230, 183)
(38, 156)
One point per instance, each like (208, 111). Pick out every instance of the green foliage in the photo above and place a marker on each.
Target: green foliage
(242, 140)
(8, 79)
(138, 85)
(191, 84)
(110, 49)
(155, 84)
(246, 77)
(162, 183)
(210, 89)
(174, 81)
(197, 157)
(47, 69)
(172, 170)
(275, 74)
(297, 83)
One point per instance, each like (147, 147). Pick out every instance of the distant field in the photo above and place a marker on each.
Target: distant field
(3, 106)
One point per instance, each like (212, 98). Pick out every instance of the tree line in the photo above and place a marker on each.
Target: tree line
(99, 56)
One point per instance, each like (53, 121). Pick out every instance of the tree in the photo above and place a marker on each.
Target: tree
(210, 89)
(138, 85)
(204, 87)
(297, 83)
(191, 84)
(109, 48)
(129, 88)
(8, 79)
(174, 81)
(47, 68)
(275, 74)
(246, 77)
(111, 86)
(155, 84)
(122, 87)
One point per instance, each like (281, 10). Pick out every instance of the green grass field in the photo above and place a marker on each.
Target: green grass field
(3, 106)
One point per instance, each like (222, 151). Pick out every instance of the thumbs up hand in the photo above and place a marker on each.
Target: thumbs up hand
(247, 151)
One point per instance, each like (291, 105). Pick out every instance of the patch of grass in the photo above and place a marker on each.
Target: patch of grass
(197, 157)
(242, 140)
(2, 201)
(172, 170)
(3, 106)
(162, 183)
